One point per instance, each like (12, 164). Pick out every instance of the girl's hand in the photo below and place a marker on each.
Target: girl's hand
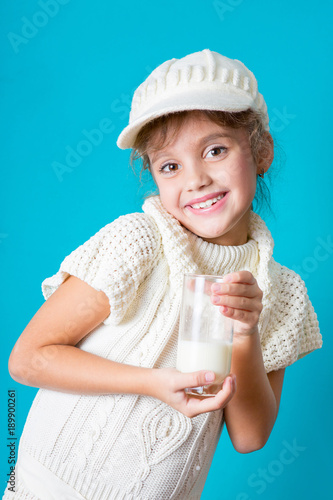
(240, 299)
(169, 384)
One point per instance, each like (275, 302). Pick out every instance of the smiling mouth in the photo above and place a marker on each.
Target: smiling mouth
(208, 203)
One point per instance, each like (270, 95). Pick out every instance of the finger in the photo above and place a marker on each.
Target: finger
(211, 403)
(195, 379)
(249, 317)
(243, 303)
(240, 277)
(238, 289)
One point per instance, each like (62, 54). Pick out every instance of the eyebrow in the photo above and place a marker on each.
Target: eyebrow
(207, 138)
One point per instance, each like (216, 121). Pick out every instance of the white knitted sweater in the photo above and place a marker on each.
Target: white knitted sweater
(136, 447)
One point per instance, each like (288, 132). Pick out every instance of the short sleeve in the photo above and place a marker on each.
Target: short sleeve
(115, 260)
(293, 329)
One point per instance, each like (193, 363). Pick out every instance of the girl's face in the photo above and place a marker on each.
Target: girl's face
(207, 180)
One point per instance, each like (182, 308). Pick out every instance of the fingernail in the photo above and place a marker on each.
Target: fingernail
(209, 376)
(216, 287)
(227, 278)
(215, 299)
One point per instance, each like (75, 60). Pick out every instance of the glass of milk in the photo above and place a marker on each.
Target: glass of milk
(205, 335)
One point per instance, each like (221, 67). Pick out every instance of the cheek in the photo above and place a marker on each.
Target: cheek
(168, 195)
(247, 169)
(248, 182)
(239, 173)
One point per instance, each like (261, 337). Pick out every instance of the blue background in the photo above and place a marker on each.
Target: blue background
(80, 66)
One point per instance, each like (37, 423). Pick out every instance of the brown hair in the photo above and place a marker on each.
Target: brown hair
(159, 132)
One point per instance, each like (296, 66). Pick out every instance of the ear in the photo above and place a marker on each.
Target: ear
(266, 155)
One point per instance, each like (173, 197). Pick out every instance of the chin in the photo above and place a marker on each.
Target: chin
(211, 238)
(213, 234)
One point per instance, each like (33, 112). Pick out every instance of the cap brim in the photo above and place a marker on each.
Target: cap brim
(217, 101)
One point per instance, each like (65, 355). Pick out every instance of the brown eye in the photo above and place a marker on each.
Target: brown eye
(170, 167)
(216, 151)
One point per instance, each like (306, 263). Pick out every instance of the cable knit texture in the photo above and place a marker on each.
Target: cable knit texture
(134, 447)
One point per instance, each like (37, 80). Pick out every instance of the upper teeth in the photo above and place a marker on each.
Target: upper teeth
(207, 203)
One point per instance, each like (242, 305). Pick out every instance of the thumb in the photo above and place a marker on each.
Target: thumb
(197, 379)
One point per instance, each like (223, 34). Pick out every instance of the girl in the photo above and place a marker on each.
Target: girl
(111, 419)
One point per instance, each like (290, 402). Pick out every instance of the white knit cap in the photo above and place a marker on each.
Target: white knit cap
(202, 80)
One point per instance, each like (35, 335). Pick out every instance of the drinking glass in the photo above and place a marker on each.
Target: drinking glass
(205, 335)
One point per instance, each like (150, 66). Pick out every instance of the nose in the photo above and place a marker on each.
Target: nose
(197, 176)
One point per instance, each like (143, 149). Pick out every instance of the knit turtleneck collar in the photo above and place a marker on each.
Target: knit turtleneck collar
(219, 259)
(185, 251)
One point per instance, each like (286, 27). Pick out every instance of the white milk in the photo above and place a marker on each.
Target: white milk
(215, 356)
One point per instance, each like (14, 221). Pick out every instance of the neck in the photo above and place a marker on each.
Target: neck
(238, 234)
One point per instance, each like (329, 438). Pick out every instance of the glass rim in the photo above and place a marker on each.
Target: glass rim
(205, 276)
